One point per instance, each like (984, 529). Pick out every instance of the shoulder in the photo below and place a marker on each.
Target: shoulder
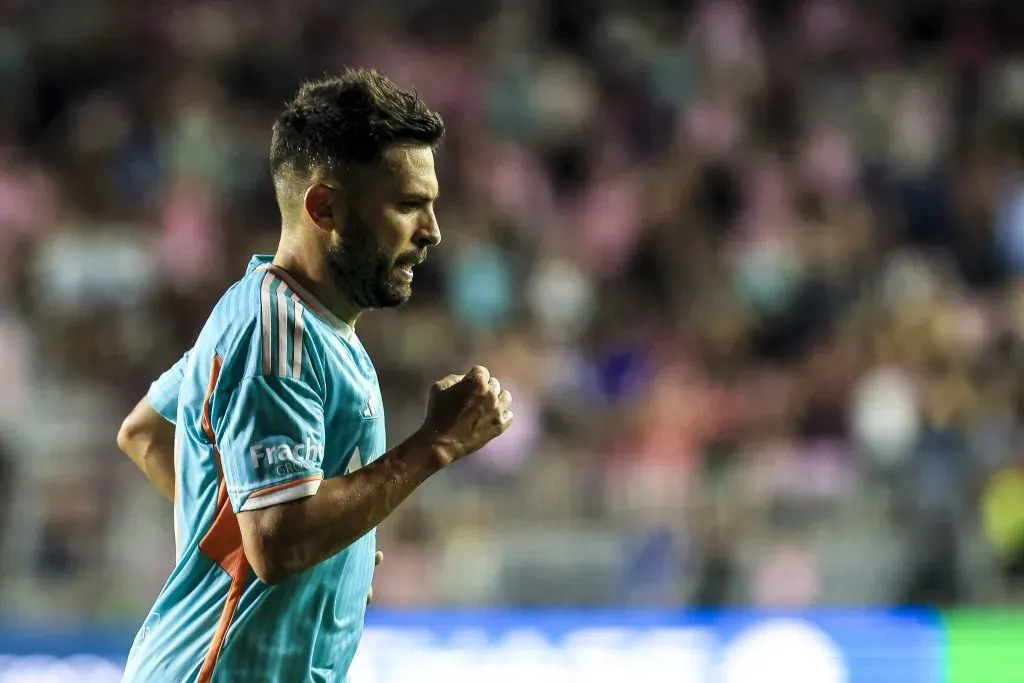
(263, 329)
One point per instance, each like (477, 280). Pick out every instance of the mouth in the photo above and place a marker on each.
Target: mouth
(405, 269)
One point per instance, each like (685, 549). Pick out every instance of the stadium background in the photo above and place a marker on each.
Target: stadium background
(753, 270)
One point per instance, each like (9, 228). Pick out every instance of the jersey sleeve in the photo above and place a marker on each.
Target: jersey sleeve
(163, 393)
(271, 442)
(268, 424)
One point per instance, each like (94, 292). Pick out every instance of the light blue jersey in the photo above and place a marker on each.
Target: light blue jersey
(276, 395)
(163, 393)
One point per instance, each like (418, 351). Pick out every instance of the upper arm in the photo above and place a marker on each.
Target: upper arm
(163, 393)
(271, 442)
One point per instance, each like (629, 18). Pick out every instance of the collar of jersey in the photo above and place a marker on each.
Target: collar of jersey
(264, 263)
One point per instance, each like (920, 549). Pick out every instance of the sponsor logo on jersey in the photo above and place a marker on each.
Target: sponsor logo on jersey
(305, 455)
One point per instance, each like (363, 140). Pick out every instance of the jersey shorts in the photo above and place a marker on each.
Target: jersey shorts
(276, 395)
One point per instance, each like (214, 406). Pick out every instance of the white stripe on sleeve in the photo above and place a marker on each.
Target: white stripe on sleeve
(286, 495)
(300, 328)
(282, 333)
(266, 323)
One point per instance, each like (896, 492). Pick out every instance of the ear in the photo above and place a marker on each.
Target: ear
(321, 204)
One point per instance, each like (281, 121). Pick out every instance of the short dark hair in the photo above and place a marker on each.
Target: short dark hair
(351, 119)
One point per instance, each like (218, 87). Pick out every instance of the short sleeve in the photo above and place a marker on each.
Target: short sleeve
(163, 393)
(271, 441)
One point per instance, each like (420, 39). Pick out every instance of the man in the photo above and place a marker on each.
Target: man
(280, 474)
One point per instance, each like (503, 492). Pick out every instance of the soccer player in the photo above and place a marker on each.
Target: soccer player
(280, 470)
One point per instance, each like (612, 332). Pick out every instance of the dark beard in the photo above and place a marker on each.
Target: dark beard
(358, 268)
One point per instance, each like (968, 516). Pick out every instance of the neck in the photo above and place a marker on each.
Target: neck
(306, 264)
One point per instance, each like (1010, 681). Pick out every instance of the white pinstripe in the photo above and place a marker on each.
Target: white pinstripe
(300, 328)
(282, 333)
(267, 330)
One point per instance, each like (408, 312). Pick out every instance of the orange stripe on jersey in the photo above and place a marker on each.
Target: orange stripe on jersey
(222, 542)
(285, 485)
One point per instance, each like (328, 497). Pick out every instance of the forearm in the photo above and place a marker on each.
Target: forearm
(291, 538)
(157, 464)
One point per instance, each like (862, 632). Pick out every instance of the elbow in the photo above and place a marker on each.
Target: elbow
(127, 435)
(270, 573)
(270, 566)
(267, 548)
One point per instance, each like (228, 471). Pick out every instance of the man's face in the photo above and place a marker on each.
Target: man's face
(387, 228)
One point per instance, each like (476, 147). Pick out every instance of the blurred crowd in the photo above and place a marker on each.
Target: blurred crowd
(752, 270)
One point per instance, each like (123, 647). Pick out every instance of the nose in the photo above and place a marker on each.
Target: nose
(429, 232)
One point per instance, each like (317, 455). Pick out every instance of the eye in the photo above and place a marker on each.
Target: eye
(410, 206)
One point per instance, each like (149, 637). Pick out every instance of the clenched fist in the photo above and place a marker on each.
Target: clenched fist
(466, 411)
